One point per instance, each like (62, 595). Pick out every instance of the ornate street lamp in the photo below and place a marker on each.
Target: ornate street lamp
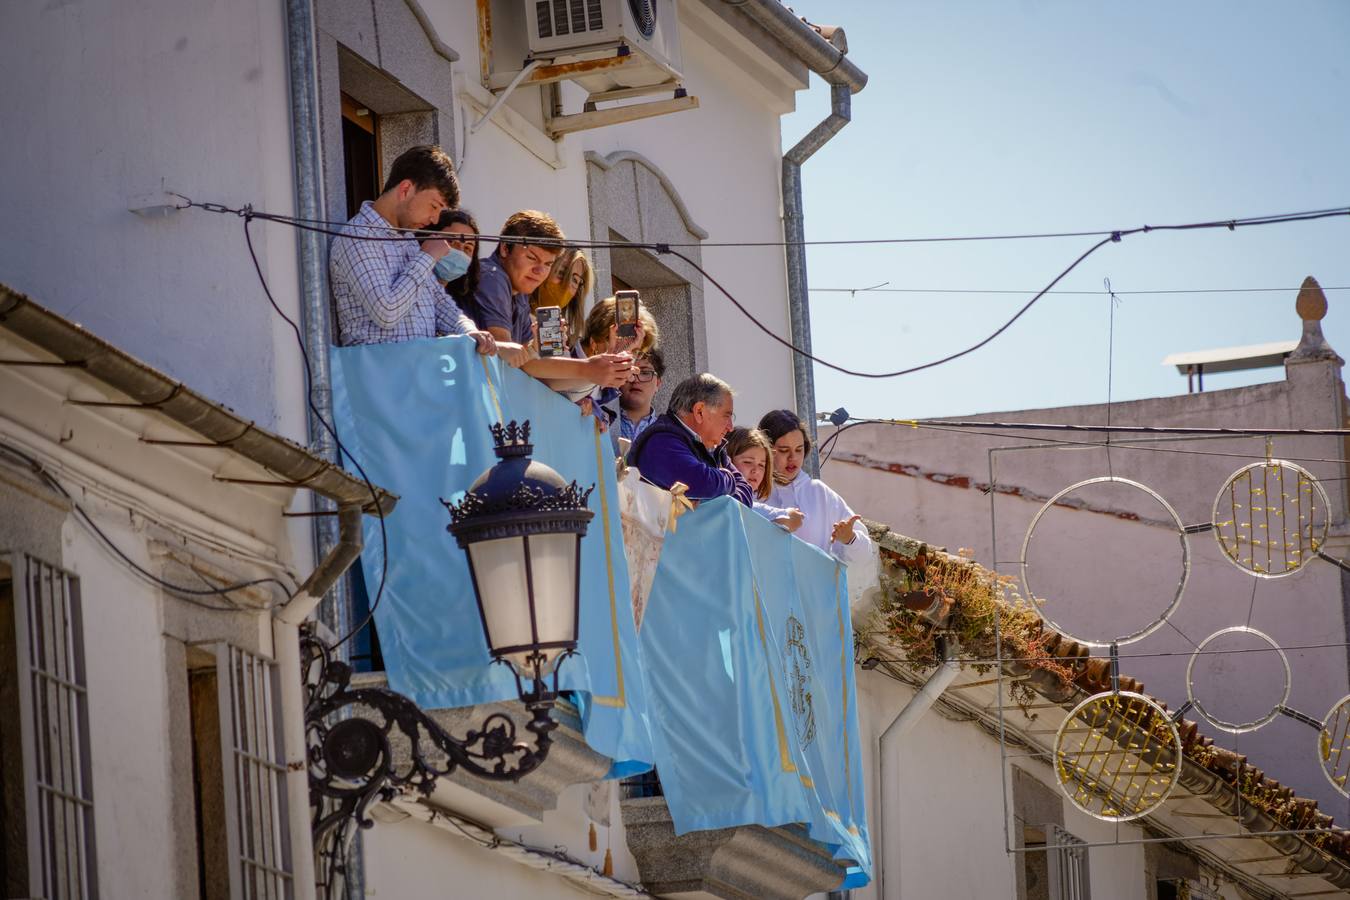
(521, 526)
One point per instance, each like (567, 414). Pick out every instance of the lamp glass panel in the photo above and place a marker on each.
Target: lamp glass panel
(499, 566)
(554, 557)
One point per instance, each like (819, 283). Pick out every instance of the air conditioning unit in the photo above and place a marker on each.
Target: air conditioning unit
(567, 31)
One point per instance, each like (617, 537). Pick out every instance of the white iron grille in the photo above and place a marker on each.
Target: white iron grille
(1067, 865)
(54, 710)
(255, 775)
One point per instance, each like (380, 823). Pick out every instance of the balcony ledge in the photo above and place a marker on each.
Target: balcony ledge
(746, 863)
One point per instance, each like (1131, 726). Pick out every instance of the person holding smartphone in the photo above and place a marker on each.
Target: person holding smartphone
(531, 242)
(602, 336)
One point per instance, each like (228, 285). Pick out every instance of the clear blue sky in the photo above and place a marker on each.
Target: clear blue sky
(998, 117)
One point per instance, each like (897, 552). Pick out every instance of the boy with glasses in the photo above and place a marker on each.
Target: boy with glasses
(635, 397)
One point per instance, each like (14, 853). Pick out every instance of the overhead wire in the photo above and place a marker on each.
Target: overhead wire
(247, 215)
(673, 249)
(333, 228)
(830, 442)
(1158, 291)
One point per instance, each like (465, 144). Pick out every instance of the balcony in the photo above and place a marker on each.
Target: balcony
(735, 680)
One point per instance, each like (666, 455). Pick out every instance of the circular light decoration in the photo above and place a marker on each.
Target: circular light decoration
(1237, 727)
(1333, 745)
(1181, 584)
(1270, 518)
(1117, 756)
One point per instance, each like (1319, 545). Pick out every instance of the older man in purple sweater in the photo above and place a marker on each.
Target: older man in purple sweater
(686, 444)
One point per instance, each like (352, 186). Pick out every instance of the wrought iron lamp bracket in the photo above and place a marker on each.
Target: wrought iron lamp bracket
(350, 757)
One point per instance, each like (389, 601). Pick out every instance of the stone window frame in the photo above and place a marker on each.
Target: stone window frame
(631, 199)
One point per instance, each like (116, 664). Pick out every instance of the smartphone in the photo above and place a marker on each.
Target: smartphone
(626, 305)
(550, 331)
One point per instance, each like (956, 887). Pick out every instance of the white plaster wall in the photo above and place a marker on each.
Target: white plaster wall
(111, 101)
(943, 834)
(128, 719)
(943, 813)
(1099, 568)
(724, 161)
(403, 857)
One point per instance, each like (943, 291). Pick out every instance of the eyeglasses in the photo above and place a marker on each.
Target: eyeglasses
(645, 375)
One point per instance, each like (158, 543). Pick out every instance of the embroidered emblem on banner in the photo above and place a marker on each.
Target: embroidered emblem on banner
(797, 671)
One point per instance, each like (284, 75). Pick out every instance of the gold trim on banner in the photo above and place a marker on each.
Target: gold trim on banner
(622, 698)
(784, 753)
(492, 389)
(844, 669)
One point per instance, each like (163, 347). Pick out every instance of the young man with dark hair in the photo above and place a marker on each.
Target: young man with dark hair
(522, 261)
(387, 290)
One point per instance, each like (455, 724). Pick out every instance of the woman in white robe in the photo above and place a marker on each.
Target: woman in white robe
(827, 520)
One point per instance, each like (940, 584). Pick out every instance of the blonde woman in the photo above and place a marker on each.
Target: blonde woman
(568, 285)
(601, 336)
(752, 455)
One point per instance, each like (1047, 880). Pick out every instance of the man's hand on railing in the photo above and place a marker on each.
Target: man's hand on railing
(487, 344)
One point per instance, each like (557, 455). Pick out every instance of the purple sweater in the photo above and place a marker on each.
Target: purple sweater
(667, 452)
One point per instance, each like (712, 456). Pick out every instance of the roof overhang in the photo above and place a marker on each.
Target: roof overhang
(1232, 359)
(84, 357)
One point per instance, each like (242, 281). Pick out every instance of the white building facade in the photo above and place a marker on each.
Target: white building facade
(299, 109)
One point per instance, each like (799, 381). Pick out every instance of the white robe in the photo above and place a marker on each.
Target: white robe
(821, 508)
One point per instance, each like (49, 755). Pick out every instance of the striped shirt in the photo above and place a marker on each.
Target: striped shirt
(384, 291)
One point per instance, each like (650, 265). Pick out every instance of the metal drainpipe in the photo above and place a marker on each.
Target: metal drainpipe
(794, 233)
(914, 710)
(825, 57)
(336, 608)
(302, 46)
(286, 651)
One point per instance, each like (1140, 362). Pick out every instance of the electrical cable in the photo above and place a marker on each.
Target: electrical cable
(886, 290)
(321, 224)
(928, 426)
(247, 215)
(182, 592)
(1130, 429)
(670, 249)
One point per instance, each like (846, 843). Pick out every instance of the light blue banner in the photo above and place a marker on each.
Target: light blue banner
(748, 649)
(416, 415)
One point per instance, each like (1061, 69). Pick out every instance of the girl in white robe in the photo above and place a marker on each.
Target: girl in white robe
(827, 520)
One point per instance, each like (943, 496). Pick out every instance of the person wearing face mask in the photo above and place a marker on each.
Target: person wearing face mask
(567, 287)
(385, 283)
(457, 273)
(827, 520)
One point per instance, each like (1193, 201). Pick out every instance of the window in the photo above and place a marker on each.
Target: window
(1067, 865)
(1054, 865)
(243, 842)
(360, 154)
(46, 795)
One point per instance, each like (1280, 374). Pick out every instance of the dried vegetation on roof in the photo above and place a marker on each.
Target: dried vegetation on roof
(926, 592)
